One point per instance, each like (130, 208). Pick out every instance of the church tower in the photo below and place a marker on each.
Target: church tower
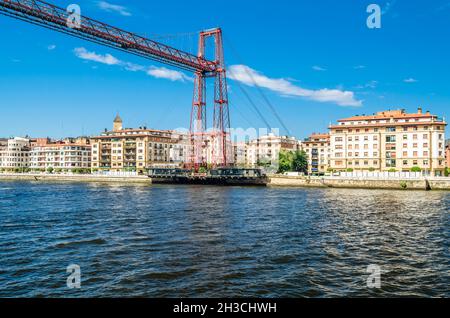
(117, 125)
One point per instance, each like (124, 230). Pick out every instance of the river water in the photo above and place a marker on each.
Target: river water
(196, 241)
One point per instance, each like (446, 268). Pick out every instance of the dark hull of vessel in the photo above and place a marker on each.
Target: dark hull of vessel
(212, 181)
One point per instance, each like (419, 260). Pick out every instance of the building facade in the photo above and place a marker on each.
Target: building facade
(61, 156)
(389, 141)
(266, 149)
(137, 149)
(447, 154)
(317, 148)
(14, 154)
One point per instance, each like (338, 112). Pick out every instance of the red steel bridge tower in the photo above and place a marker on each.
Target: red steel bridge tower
(58, 19)
(219, 138)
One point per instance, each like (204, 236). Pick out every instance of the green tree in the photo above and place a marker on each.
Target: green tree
(416, 169)
(265, 163)
(300, 162)
(285, 160)
(50, 170)
(447, 172)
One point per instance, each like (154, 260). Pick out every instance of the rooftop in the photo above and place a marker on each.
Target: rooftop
(391, 114)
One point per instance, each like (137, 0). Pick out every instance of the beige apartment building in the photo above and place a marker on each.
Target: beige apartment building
(124, 149)
(389, 140)
(317, 148)
(266, 149)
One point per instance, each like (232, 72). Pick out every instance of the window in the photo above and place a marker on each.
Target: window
(390, 139)
(391, 163)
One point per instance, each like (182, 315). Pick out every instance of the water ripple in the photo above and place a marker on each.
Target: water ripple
(177, 241)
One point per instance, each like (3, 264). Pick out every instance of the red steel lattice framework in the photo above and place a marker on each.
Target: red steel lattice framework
(52, 17)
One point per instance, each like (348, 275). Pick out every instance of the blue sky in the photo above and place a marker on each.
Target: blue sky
(316, 61)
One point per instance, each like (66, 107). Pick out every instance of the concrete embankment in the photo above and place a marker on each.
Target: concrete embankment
(367, 183)
(75, 178)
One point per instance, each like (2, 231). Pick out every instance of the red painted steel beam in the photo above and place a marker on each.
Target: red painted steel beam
(55, 18)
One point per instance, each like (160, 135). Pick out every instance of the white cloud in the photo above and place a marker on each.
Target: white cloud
(109, 7)
(371, 84)
(359, 67)
(162, 72)
(318, 68)
(108, 59)
(84, 54)
(410, 80)
(51, 47)
(251, 77)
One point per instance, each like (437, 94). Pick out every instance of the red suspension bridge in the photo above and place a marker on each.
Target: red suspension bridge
(65, 21)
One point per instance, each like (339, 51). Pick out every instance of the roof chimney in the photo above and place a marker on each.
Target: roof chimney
(419, 111)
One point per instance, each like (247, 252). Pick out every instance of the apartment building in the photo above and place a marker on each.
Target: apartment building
(266, 149)
(317, 147)
(447, 154)
(14, 153)
(389, 140)
(126, 149)
(64, 156)
(240, 154)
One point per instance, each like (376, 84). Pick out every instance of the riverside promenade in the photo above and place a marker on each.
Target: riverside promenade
(344, 181)
(364, 181)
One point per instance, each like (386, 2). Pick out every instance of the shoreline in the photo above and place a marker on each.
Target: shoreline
(424, 184)
(75, 178)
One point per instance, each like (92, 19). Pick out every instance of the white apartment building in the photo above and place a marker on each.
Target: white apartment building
(14, 153)
(389, 140)
(60, 156)
(267, 149)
